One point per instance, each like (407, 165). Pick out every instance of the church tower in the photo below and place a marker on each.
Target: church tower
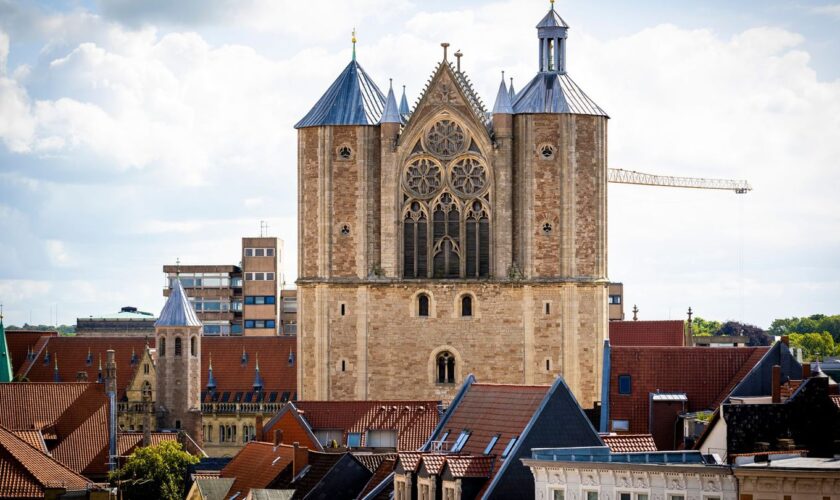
(178, 331)
(448, 240)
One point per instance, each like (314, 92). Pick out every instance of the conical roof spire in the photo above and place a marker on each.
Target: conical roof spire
(391, 113)
(6, 374)
(352, 99)
(258, 381)
(211, 380)
(404, 110)
(511, 92)
(178, 311)
(503, 105)
(56, 378)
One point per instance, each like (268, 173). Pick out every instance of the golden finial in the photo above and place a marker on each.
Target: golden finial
(552, 4)
(353, 39)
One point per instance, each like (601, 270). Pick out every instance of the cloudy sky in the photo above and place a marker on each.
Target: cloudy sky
(132, 133)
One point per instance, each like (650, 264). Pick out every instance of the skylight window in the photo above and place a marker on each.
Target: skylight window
(509, 446)
(491, 444)
(461, 441)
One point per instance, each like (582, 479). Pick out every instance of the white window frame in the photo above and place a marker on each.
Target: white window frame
(553, 489)
(584, 493)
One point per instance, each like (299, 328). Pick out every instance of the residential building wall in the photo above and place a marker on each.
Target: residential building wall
(288, 311)
(616, 301)
(548, 249)
(610, 480)
(787, 484)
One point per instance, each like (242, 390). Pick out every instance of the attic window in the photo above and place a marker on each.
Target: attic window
(461, 441)
(509, 446)
(345, 153)
(354, 440)
(491, 444)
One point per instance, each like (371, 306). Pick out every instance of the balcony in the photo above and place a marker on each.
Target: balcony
(240, 408)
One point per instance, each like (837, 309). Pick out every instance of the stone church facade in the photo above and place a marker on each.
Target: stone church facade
(449, 240)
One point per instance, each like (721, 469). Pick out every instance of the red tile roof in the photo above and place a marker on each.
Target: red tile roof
(74, 414)
(410, 460)
(75, 354)
(381, 473)
(488, 410)
(705, 375)
(256, 465)
(433, 463)
(470, 466)
(647, 333)
(33, 438)
(26, 472)
(233, 376)
(414, 421)
(629, 443)
(128, 442)
(20, 342)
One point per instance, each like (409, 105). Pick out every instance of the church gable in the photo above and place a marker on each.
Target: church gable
(447, 91)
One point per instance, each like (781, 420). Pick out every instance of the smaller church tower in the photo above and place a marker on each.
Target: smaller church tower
(178, 332)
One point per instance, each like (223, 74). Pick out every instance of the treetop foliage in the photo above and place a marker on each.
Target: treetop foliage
(154, 472)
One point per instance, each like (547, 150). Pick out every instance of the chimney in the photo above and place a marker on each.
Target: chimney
(806, 370)
(146, 396)
(278, 436)
(258, 428)
(300, 458)
(776, 383)
(786, 340)
(111, 391)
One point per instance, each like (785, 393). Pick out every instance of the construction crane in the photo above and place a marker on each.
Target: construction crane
(621, 176)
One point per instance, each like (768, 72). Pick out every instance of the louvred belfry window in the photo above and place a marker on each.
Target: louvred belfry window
(446, 206)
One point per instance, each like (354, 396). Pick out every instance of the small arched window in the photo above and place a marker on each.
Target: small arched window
(162, 347)
(193, 348)
(466, 306)
(177, 346)
(423, 305)
(177, 424)
(445, 368)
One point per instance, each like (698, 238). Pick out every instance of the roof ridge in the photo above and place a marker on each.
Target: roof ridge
(37, 475)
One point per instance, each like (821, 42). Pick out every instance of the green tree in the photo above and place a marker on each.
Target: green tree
(154, 472)
(814, 345)
(809, 324)
(700, 326)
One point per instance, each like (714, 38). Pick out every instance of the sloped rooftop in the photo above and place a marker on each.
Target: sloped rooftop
(178, 311)
(647, 333)
(352, 99)
(550, 92)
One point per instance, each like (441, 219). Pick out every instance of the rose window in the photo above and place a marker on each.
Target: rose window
(423, 176)
(469, 176)
(446, 138)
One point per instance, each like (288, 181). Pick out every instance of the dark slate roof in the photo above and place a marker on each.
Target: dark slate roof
(758, 381)
(404, 111)
(391, 113)
(552, 20)
(346, 479)
(178, 311)
(503, 105)
(319, 466)
(352, 99)
(555, 93)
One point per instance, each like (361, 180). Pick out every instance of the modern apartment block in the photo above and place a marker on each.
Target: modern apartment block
(235, 299)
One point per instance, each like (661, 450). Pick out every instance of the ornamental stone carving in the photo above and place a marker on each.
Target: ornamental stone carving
(468, 176)
(422, 177)
(446, 138)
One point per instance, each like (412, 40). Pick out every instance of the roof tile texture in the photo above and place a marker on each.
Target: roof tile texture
(233, 376)
(256, 465)
(647, 333)
(414, 421)
(630, 443)
(703, 374)
(20, 341)
(471, 466)
(26, 471)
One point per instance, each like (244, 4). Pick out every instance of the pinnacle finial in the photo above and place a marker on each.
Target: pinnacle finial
(177, 267)
(552, 4)
(391, 83)
(258, 362)
(1, 305)
(211, 361)
(445, 46)
(635, 313)
(353, 39)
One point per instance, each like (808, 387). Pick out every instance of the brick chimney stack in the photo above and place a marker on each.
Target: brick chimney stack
(776, 382)
(258, 428)
(278, 436)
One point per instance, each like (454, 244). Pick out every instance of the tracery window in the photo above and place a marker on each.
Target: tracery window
(446, 206)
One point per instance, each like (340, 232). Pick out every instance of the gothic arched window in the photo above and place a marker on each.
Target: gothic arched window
(193, 348)
(446, 206)
(177, 346)
(162, 347)
(423, 305)
(445, 368)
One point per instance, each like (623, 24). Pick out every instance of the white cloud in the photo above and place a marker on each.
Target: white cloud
(151, 143)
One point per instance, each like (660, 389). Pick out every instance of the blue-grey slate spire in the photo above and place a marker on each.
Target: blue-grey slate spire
(552, 90)
(211, 380)
(352, 99)
(404, 111)
(258, 380)
(391, 113)
(178, 311)
(511, 92)
(503, 105)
